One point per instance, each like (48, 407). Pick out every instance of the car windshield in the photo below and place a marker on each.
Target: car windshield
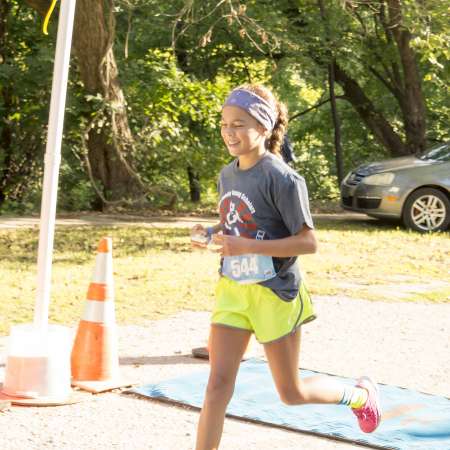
(440, 152)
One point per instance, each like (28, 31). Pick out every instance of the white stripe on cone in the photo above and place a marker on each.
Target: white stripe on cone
(103, 273)
(99, 312)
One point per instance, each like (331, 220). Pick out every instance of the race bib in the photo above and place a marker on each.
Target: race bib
(248, 269)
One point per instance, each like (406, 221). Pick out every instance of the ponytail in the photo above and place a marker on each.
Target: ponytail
(276, 139)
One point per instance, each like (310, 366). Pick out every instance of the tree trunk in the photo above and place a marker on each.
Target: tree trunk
(331, 85)
(110, 151)
(110, 145)
(411, 102)
(194, 184)
(336, 125)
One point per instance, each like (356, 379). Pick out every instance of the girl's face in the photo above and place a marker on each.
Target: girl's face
(241, 133)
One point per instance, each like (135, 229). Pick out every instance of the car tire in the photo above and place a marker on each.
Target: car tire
(426, 210)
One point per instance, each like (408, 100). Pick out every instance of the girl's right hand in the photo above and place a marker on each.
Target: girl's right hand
(199, 236)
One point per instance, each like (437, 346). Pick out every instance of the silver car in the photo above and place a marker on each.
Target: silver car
(415, 189)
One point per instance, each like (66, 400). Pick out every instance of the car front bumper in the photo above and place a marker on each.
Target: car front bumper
(377, 201)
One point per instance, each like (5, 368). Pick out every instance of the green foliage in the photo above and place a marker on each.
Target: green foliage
(75, 192)
(174, 119)
(174, 94)
(25, 80)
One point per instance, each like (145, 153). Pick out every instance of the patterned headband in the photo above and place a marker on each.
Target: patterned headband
(256, 106)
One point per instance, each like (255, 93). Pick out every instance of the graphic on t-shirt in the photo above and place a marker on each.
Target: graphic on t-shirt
(236, 217)
(260, 235)
(232, 218)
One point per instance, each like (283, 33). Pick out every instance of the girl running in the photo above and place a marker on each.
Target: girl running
(265, 223)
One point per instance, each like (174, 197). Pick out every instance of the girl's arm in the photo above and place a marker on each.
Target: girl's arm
(200, 229)
(216, 228)
(302, 243)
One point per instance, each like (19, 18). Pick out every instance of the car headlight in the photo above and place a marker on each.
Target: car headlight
(346, 177)
(379, 179)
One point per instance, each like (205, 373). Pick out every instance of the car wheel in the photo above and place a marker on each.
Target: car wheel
(427, 209)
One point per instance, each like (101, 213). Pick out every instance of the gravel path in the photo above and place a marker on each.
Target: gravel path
(401, 344)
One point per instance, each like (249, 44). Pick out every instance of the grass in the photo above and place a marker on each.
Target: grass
(157, 274)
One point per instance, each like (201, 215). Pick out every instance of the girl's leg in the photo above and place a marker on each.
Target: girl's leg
(283, 358)
(226, 348)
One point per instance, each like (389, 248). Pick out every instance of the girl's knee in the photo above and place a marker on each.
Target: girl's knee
(219, 388)
(292, 395)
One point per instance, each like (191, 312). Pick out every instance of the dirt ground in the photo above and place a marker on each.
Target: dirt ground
(404, 344)
(401, 344)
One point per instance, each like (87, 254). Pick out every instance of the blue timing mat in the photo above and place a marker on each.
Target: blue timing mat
(411, 420)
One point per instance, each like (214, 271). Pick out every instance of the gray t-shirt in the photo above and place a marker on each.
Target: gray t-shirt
(267, 201)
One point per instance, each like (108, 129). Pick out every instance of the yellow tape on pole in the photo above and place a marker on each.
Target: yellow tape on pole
(47, 17)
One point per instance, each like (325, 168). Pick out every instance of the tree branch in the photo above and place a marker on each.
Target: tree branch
(41, 6)
(312, 108)
(373, 119)
(388, 85)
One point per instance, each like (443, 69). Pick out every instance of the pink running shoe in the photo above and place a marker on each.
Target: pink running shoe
(369, 415)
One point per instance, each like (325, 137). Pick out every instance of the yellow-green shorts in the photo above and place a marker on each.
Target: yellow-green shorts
(258, 309)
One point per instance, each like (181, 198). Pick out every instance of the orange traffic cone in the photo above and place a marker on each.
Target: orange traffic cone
(94, 358)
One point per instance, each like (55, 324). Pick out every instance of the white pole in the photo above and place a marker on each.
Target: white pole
(52, 161)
